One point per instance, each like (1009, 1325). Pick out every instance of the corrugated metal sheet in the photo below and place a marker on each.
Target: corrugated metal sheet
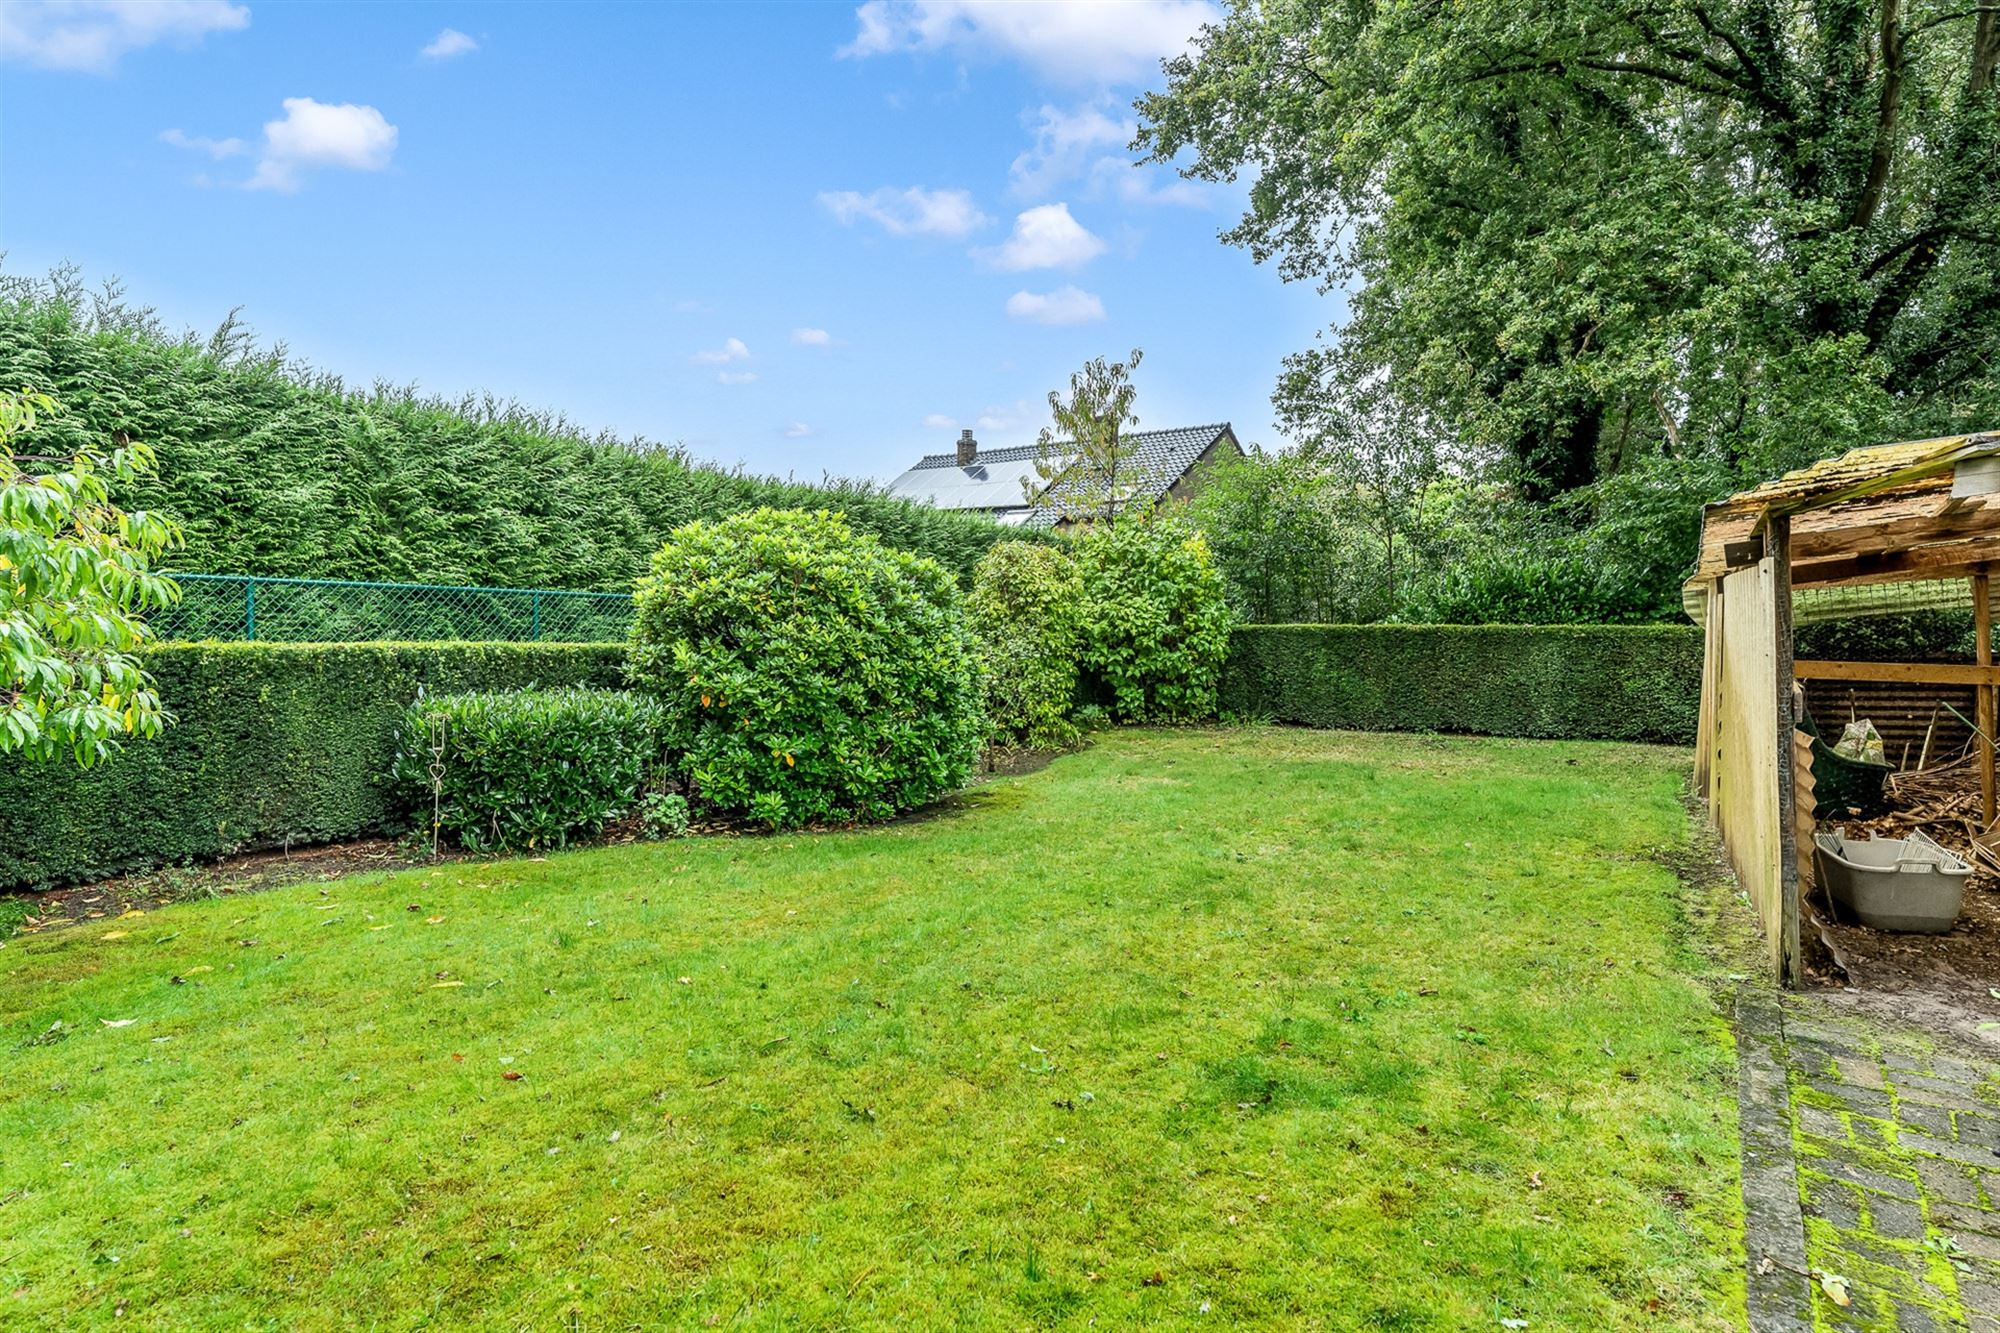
(1900, 711)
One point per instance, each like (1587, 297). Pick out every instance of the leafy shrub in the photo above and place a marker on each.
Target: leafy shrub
(807, 671)
(1156, 621)
(1026, 611)
(530, 768)
(663, 815)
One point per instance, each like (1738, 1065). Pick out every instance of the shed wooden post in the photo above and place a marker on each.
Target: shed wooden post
(1982, 630)
(1778, 542)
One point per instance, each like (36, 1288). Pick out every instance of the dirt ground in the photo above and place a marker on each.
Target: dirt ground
(1946, 982)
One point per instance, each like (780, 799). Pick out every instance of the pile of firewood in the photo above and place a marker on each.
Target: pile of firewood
(1943, 801)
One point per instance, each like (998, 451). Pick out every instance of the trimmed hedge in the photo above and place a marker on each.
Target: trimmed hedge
(1595, 682)
(275, 744)
(525, 768)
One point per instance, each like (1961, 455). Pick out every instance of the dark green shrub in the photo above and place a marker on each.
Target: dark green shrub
(275, 745)
(525, 768)
(1601, 682)
(1155, 618)
(1026, 611)
(809, 673)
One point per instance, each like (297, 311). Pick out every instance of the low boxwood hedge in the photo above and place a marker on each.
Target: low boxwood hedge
(274, 744)
(1597, 682)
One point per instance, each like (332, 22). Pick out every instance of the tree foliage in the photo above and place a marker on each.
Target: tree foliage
(274, 469)
(1155, 616)
(1714, 238)
(1083, 461)
(809, 673)
(76, 580)
(1026, 609)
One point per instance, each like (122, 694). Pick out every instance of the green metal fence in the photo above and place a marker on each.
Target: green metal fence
(234, 606)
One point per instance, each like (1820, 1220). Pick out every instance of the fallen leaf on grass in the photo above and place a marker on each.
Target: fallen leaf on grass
(118, 1022)
(112, 935)
(1835, 1287)
(432, 920)
(511, 1075)
(1534, 1180)
(445, 985)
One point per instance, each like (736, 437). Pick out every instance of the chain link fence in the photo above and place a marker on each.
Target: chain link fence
(232, 606)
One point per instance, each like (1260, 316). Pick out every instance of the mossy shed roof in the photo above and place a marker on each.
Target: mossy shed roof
(1919, 510)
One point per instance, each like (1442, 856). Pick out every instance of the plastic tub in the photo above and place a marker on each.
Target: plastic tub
(1904, 884)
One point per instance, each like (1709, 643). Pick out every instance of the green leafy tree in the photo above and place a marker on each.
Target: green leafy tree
(1026, 608)
(1588, 233)
(1083, 461)
(808, 672)
(1155, 615)
(1279, 534)
(76, 579)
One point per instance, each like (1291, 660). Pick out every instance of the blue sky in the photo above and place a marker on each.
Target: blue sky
(806, 238)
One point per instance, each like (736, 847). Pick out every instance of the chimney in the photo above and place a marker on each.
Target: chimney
(968, 448)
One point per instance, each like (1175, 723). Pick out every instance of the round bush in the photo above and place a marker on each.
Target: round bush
(1026, 609)
(808, 673)
(1155, 618)
(525, 768)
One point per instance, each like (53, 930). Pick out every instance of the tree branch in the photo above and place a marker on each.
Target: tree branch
(1886, 108)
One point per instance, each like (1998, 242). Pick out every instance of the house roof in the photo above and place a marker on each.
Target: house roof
(1159, 458)
(993, 481)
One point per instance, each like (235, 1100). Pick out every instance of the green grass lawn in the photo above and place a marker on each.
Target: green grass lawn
(1191, 1029)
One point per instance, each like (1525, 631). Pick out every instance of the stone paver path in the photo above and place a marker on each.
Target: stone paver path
(1895, 1154)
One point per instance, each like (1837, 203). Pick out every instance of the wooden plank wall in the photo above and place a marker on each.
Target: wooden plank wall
(1746, 799)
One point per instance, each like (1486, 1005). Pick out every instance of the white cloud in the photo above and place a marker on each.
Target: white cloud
(736, 377)
(812, 337)
(92, 34)
(798, 430)
(1064, 305)
(215, 148)
(321, 134)
(1066, 142)
(1005, 418)
(1045, 237)
(451, 42)
(912, 212)
(1070, 145)
(1082, 41)
(732, 350)
(993, 418)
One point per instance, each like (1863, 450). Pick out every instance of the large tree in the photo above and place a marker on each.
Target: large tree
(1591, 234)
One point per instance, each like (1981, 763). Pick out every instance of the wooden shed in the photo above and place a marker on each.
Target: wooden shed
(1922, 516)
